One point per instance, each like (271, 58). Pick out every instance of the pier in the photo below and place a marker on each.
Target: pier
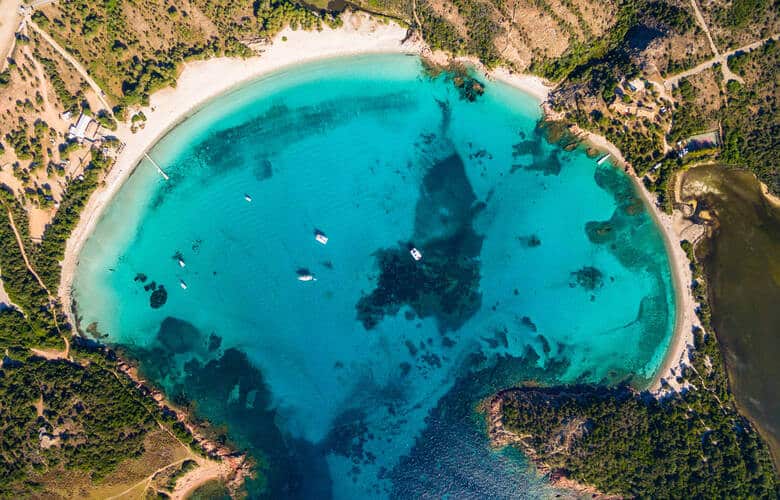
(162, 172)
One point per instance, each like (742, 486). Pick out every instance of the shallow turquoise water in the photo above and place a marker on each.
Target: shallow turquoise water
(537, 264)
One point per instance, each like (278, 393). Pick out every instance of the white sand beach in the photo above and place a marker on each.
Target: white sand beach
(672, 227)
(203, 80)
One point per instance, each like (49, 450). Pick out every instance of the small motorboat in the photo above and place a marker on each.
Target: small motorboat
(320, 237)
(182, 284)
(305, 275)
(416, 255)
(181, 262)
(248, 198)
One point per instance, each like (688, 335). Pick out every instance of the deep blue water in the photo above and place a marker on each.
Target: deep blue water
(537, 265)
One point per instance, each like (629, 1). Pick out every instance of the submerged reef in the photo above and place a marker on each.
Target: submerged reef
(588, 278)
(462, 78)
(263, 170)
(631, 239)
(432, 470)
(159, 295)
(227, 390)
(445, 283)
(282, 125)
(530, 241)
(531, 154)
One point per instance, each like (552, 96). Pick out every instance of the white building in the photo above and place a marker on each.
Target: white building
(78, 130)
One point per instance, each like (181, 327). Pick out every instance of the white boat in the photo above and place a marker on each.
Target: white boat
(305, 275)
(603, 159)
(416, 255)
(182, 284)
(321, 238)
(181, 262)
(248, 198)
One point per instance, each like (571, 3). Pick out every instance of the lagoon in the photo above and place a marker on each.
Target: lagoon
(537, 264)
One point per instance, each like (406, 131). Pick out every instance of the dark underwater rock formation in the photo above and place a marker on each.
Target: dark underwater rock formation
(159, 297)
(445, 283)
(588, 278)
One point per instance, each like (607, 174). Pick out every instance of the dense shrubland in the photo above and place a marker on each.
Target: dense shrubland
(750, 118)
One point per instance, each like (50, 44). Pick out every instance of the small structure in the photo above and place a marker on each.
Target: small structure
(706, 140)
(78, 130)
(636, 84)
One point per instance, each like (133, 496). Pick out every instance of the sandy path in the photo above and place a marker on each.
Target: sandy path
(703, 24)
(9, 22)
(73, 62)
(722, 59)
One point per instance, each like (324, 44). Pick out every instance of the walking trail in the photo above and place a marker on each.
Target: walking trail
(73, 62)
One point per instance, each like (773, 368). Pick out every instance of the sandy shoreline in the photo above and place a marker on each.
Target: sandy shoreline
(671, 227)
(202, 81)
(676, 356)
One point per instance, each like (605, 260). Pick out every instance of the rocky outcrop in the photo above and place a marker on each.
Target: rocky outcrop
(560, 441)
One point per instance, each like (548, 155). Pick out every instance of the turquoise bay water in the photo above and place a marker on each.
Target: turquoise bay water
(537, 265)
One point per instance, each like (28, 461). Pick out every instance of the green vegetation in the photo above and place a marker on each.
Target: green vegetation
(93, 417)
(582, 58)
(691, 444)
(48, 254)
(132, 61)
(641, 143)
(69, 101)
(183, 469)
(439, 33)
(91, 420)
(749, 119)
(481, 29)
(743, 11)
(626, 444)
(670, 16)
(20, 143)
(688, 118)
(34, 325)
(5, 78)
